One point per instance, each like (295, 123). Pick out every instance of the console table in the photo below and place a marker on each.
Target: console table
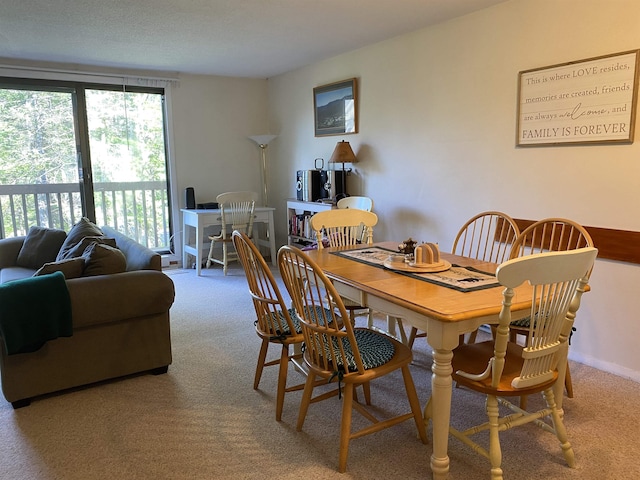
(197, 220)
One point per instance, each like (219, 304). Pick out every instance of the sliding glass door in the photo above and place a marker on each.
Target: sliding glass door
(72, 149)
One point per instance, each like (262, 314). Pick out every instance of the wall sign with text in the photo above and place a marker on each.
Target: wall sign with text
(587, 101)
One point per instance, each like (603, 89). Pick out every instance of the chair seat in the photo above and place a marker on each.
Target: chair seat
(277, 319)
(523, 322)
(473, 358)
(375, 349)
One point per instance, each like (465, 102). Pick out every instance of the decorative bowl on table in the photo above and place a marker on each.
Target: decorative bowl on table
(426, 259)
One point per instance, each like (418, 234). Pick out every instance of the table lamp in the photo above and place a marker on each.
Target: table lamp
(343, 154)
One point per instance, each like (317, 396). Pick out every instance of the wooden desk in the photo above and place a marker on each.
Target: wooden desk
(197, 220)
(442, 312)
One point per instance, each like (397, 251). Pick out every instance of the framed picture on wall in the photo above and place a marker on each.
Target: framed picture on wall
(335, 108)
(581, 102)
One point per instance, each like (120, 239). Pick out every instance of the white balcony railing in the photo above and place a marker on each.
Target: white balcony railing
(137, 209)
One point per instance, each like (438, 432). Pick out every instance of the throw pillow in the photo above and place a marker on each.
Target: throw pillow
(84, 228)
(40, 246)
(101, 259)
(78, 249)
(70, 268)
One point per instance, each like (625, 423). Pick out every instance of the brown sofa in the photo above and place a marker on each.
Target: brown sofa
(120, 326)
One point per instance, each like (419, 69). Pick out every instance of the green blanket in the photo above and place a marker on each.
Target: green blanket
(34, 310)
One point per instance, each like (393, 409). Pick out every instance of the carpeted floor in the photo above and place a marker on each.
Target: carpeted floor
(203, 420)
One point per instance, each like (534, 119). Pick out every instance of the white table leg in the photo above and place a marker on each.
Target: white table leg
(441, 384)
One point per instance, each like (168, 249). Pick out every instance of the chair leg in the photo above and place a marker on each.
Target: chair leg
(282, 381)
(523, 402)
(412, 395)
(306, 400)
(495, 452)
(366, 387)
(472, 336)
(224, 257)
(403, 334)
(413, 335)
(260, 365)
(345, 426)
(428, 413)
(561, 431)
(567, 382)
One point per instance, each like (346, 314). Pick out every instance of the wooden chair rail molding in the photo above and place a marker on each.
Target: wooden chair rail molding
(612, 244)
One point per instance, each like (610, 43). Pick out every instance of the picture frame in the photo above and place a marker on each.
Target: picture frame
(590, 101)
(335, 108)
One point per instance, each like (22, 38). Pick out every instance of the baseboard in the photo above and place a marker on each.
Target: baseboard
(605, 366)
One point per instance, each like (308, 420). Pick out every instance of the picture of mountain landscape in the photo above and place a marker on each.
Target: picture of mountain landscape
(335, 108)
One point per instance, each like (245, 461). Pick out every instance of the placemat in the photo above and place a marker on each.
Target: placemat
(462, 279)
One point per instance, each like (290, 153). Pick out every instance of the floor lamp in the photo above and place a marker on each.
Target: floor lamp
(263, 142)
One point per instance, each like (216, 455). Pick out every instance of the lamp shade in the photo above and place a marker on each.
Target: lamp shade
(262, 140)
(343, 154)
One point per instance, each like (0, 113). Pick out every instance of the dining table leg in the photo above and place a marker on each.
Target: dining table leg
(441, 385)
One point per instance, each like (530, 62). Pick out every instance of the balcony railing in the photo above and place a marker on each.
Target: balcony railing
(137, 209)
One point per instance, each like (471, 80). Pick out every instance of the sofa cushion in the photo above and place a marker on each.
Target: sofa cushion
(102, 259)
(9, 274)
(70, 267)
(40, 246)
(84, 228)
(79, 248)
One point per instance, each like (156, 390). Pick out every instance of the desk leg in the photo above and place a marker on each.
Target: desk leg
(199, 245)
(185, 239)
(441, 384)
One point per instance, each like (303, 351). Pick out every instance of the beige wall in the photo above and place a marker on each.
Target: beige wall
(437, 142)
(212, 118)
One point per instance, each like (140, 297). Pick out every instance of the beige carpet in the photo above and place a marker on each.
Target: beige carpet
(203, 420)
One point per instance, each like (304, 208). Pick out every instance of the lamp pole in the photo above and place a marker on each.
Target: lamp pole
(263, 143)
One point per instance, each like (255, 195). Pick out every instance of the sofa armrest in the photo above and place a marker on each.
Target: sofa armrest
(9, 250)
(121, 296)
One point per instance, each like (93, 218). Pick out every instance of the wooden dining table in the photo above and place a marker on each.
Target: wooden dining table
(442, 312)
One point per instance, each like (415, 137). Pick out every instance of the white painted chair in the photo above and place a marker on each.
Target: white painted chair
(360, 203)
(236, 213)
(501, 369)
(341, 228)
(547, 235)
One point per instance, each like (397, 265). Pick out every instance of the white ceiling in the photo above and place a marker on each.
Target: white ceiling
(240, 38)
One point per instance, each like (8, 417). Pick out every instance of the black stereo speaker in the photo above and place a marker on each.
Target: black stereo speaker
(314, 185)
(190, 198)
(334, 184)
(309, 185)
